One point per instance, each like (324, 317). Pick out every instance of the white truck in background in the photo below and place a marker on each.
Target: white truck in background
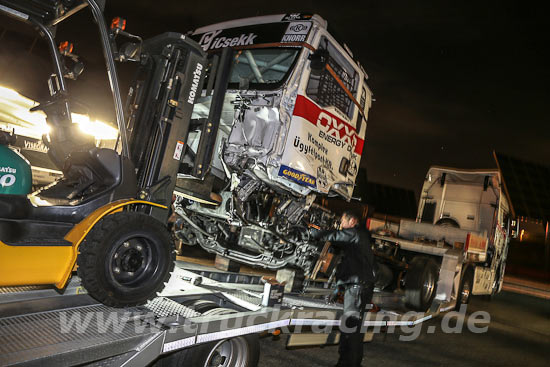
(458, 244)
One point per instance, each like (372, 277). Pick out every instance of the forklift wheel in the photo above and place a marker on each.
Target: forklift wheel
(126, 259)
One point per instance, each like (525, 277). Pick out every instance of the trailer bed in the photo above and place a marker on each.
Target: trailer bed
(36, 330)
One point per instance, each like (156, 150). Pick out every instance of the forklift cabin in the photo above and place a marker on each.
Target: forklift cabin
(108, 213)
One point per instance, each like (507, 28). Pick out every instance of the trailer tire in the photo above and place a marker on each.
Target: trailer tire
(421, 283)
(202, 306)
(465, 289)
(240, 351)
(126, 259)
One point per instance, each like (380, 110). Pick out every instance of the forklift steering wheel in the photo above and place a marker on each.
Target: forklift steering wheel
(44, 105)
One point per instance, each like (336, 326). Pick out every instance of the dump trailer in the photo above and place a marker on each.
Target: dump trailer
(456, 247)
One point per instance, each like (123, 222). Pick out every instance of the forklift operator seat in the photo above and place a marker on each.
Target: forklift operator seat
(98, 167)
(92, 179)
(88, 177)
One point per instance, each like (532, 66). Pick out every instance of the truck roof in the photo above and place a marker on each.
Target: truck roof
(488, 171)
(271, 20)
(472, 176)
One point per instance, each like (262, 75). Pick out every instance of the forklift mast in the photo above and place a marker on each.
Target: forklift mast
(172, 72)
(108, 213)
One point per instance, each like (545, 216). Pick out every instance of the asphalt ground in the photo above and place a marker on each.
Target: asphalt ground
(517, 335)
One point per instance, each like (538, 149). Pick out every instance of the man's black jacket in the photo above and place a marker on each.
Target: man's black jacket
(358, 258)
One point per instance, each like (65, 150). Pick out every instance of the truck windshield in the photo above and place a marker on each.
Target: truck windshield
(265, 68)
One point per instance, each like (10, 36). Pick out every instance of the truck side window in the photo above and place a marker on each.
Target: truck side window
(362, 104)
(428, 214)
(325, 90)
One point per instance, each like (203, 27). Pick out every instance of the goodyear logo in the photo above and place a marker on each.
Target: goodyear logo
(297, 176)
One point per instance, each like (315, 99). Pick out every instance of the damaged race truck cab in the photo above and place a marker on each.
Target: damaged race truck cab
(292, 128)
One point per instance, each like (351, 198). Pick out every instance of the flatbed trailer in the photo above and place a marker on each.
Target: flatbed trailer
(39, 327)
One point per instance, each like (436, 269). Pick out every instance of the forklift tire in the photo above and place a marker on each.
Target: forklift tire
(421, 283)
(465, 290)
(126, 259)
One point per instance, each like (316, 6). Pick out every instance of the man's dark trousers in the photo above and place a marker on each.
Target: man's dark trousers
(356, 296)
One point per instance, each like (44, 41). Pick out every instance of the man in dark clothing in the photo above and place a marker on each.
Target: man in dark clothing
(355, 275)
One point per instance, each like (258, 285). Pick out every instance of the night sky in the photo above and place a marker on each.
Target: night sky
(452, 80)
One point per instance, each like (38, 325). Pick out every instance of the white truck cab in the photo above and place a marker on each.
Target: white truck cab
(467, 199)
(460, 237)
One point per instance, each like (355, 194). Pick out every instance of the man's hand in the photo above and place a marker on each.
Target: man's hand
(337, 296)
(313, 231)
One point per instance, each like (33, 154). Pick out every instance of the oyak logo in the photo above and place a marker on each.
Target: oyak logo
(328, 124)
(337, 128)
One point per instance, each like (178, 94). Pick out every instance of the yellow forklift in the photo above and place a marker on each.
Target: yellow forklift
(107, 216)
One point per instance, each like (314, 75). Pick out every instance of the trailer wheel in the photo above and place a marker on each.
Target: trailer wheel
(240, 351)
(202, 306)
(421, 283)
(465, 290)
(126, 259)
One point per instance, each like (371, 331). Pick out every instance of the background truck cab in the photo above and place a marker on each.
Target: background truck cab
(472, 200)
(458, 244)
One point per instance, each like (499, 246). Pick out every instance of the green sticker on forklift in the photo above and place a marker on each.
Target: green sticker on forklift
(15, 173)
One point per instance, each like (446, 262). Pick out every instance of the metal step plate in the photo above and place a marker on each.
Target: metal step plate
(71, 336)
